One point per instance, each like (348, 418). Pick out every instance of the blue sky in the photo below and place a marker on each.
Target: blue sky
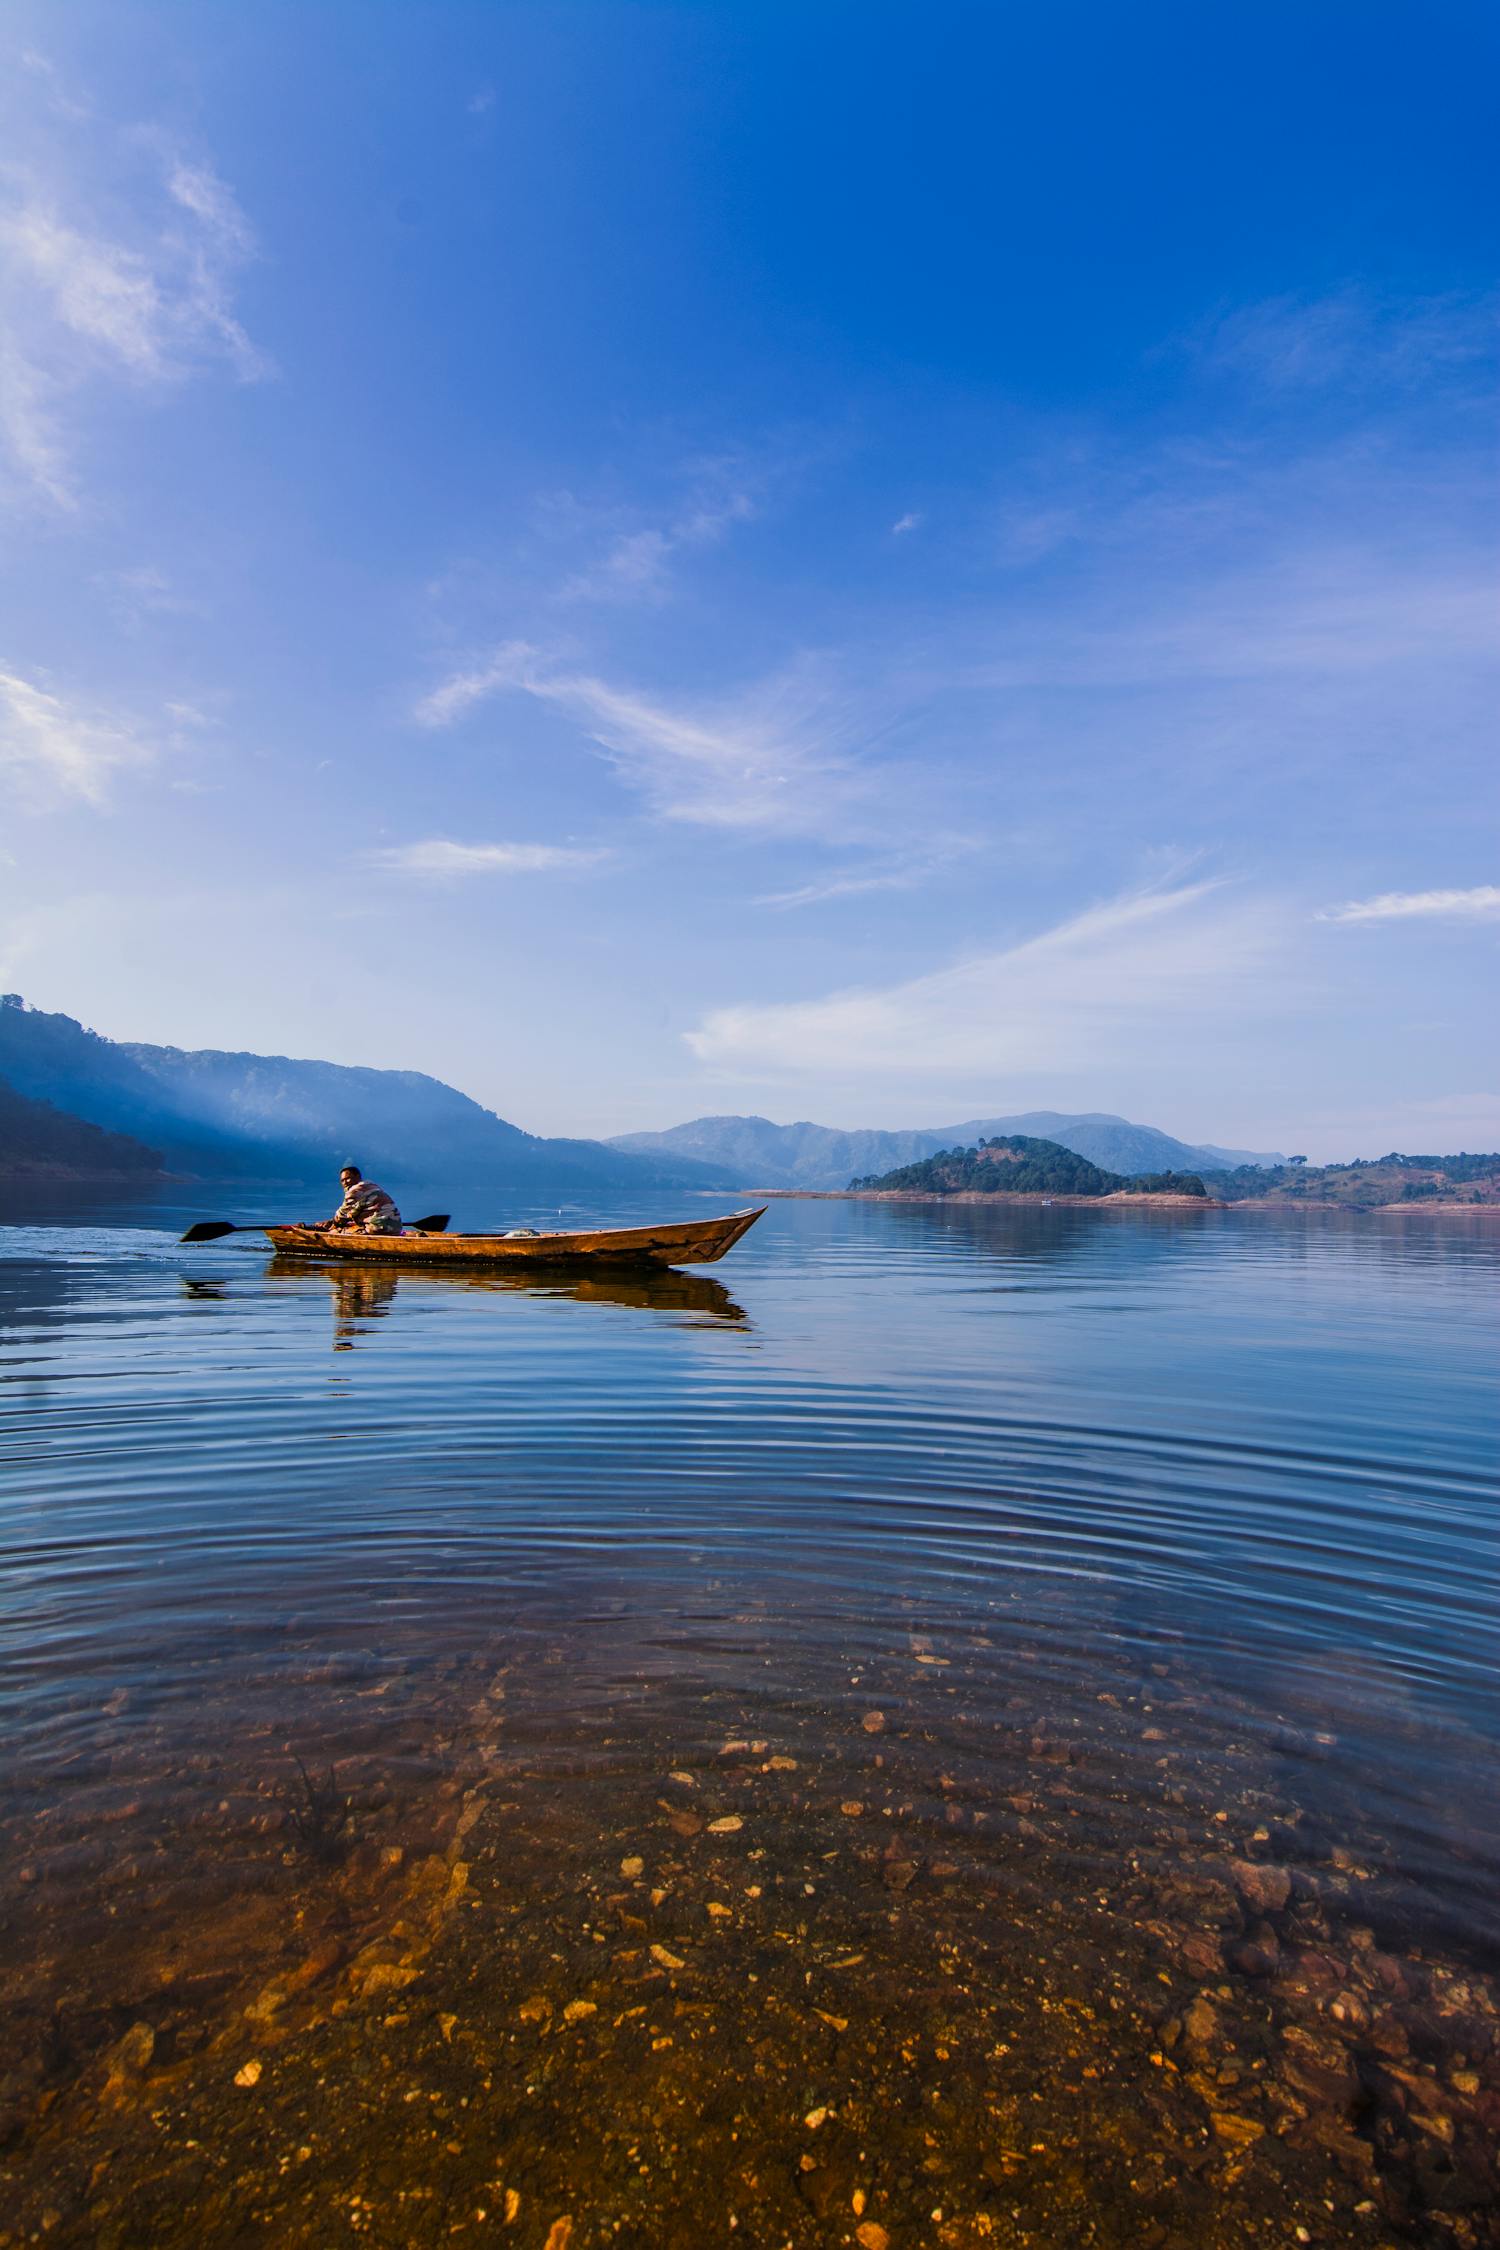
(869, 563)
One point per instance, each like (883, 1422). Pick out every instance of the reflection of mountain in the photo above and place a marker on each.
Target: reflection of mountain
(239, 1116)
(752, 1152)
(367, 1292)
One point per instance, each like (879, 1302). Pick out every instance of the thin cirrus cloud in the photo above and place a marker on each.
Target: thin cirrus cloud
(1081, 994)
(127, 283)
(773, 760)
(1348, 335)
(637, 564)
(838, 886)
(437, 856)
(55, 748)
(906, 875)
(1481, 904)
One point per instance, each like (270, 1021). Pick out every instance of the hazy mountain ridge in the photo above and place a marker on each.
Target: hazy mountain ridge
(757, 1153)
(224, 1115)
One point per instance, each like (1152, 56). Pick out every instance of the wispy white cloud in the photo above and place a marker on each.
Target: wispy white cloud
(56, 748)
(774, 759)
(636, 562)
(1320, 610)
(1080, 995)
(843, 886)
(1349, 335)
(509, 666)
(145, 591)
(60, 98)
(131, 281)
(438, 856)
(1481, 904)
(903, 525)
(905, 873)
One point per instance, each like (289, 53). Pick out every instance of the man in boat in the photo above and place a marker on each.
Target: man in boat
(366, 1208)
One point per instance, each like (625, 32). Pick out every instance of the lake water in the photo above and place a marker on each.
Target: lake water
(955, 1726)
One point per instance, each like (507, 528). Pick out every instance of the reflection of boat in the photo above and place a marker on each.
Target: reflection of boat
(365, 1291)
(662, 1288)
(685, 1242)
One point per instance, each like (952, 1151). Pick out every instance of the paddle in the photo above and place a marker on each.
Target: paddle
(210, 1230)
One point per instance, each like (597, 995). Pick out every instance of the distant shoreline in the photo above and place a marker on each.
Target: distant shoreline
(79, 1175)
(982, 1195)
(1122, 1198)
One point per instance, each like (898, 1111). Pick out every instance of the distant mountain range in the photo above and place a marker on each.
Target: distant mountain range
(213, 1115)
(110, 1107)
(751, 1152)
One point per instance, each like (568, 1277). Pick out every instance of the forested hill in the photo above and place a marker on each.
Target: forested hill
(1368, 1183)
(1015, 1164)
(37, 1140)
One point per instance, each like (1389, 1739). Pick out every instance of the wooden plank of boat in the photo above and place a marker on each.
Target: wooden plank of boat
(687, 1242)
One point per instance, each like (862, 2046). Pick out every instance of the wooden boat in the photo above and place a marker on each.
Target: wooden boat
(685, 1242)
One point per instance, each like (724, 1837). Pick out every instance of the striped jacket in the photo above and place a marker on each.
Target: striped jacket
(367, 1209)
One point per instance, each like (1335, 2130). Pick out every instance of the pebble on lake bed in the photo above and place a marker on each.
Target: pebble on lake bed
(1062, 1988)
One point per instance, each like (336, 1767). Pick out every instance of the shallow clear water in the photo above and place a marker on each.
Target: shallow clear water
(1161, 1545)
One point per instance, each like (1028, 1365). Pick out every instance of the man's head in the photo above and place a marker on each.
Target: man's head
(349, 1175)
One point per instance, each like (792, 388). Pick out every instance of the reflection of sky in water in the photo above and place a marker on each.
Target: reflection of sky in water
(1278, 1431)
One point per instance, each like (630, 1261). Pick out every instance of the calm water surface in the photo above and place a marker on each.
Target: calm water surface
(953, 1726)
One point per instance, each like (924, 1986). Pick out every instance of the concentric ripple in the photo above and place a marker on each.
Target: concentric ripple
(1151, 1500)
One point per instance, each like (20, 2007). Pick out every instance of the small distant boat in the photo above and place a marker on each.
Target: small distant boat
(688, 1242)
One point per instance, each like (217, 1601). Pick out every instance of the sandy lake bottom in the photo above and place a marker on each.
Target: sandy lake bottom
(959, 1728)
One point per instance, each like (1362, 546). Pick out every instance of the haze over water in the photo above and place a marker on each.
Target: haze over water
(955, 1725)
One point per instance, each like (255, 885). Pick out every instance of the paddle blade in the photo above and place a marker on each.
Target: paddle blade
(209, 1230)
(436, 1222)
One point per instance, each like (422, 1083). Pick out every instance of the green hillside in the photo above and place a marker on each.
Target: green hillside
(1367, 1182)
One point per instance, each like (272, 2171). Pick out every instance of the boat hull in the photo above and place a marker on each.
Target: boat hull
(687, 1242)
